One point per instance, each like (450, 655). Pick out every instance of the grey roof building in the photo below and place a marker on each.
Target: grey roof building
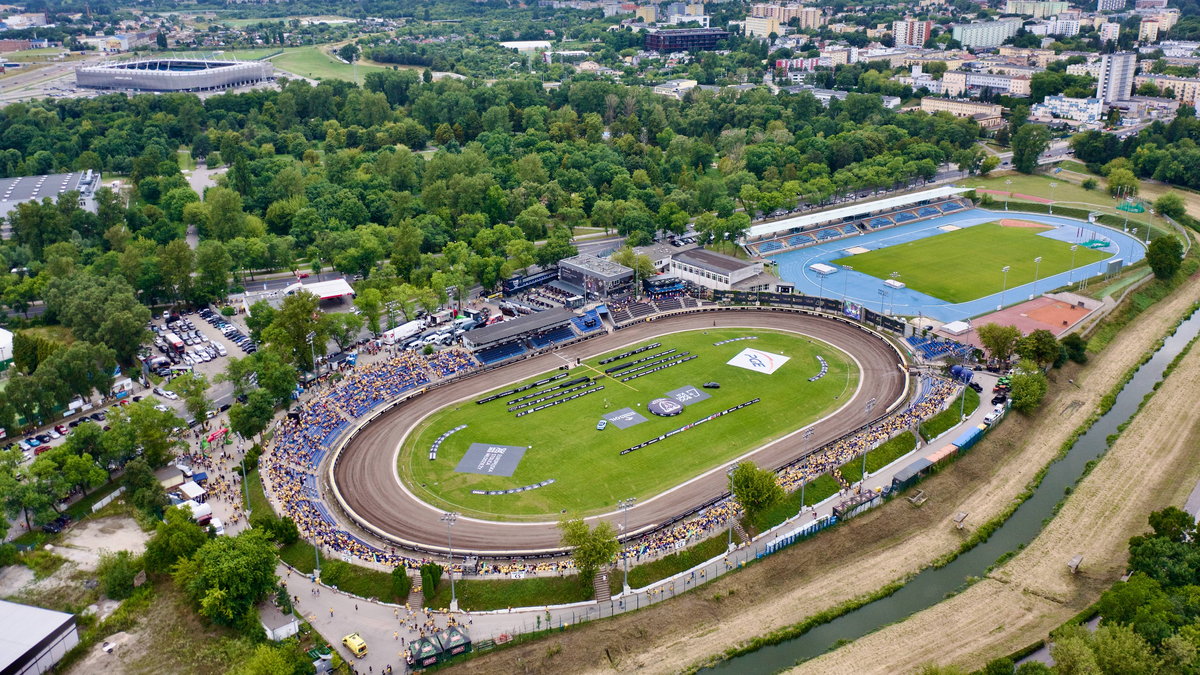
(14, 191)
(33, 639)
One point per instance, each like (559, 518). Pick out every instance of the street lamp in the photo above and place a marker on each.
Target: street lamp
(862, 480)
(1037, 263)
(449, 518)
(312, 349)
(1071, 273)
(1004, 287)
(895, 276)
(625, 505)
(1052, 186)
(882, 297)
(845, 283)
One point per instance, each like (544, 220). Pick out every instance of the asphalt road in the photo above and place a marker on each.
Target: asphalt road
(366, 478)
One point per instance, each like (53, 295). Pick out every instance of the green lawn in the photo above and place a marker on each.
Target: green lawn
(314, 63)
(965, 264)
(939, 423)
(484, 594)
(879, 457)
(590, 473)
(647, 573)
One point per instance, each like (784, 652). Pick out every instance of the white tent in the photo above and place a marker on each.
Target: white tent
(6, 348)
(191, 490)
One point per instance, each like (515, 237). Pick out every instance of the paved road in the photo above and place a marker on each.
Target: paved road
(366, 473)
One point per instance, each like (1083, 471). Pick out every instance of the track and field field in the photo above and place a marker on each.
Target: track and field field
(965, 264)
(589, 472)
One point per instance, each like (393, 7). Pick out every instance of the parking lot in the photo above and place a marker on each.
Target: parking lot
(199, 342)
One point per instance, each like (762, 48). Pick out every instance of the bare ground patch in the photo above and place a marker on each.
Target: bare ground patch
(865, 554)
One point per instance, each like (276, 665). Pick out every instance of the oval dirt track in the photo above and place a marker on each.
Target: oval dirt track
(364, 472)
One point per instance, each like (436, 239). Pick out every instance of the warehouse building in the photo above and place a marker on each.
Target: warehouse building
(32, 639)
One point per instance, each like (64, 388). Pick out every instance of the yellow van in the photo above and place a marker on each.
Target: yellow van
(355, 644)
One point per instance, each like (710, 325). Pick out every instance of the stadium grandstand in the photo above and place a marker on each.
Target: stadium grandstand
(508, 339)
(816, 228)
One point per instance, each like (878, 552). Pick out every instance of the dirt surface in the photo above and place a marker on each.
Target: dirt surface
(86, 541)
(1035, 592)
(13, 579)
(865, 554)
(365, 472)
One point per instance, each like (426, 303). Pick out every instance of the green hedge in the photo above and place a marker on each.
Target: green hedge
(880, 457)
(647, 573)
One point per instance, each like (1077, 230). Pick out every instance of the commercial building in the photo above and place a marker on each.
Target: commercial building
(594, 277)
(988, 115)
(684, 39)
(762, 26)
(1184, 89)
(909, 33)
(715, 270)
(32, 639)
(1116, 76)
(675, 88)
(1086, 110)
(985, 33)
(1035, 8)
(14, 191)
(1110, 5)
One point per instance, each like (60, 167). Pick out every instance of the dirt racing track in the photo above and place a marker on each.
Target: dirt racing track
(362, 478)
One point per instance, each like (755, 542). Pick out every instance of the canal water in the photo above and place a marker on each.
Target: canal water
(933, 585)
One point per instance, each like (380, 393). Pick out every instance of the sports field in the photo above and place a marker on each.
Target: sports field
(589, 471)
(965, 264)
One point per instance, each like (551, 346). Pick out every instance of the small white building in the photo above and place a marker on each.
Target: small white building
(1085, 110)
(675, 88)
(278, 626)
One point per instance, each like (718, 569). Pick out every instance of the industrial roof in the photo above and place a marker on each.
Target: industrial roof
(711, 260)
(506, 330)
(334, 288)
(24, 631)
(598, 267)
(854, 210)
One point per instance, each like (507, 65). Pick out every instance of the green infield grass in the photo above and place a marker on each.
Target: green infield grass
(965, 264)
(589, 471)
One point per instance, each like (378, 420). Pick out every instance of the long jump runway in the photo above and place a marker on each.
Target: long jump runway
(366, 477)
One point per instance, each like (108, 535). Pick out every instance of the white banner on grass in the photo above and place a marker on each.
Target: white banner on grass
(758, 361)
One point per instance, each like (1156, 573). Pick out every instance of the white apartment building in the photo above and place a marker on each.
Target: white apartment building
(1078, 109)
(1036, 9)
(986, 33)
(1116, 76)
(909, 33)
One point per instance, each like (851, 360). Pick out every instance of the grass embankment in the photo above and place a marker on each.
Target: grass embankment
(647, 573)
(485, 594)
(976, 254)
(944, 421)
(880, 457)
(819, 489)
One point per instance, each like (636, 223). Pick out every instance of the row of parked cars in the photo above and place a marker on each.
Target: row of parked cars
(42, 440)
(230, 331)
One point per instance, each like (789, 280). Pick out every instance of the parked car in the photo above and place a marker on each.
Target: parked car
(166, 393)
(601, 424)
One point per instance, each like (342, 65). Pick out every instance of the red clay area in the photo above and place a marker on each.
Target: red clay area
(1009, 222)
(1049, 314)
(1016, 195)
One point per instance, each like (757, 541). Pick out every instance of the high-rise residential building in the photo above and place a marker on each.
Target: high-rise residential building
(1185, 89)
(1110, 5)
(1148, 30)
(647, 14)
(811, 17)
(762, 26)
(909, 33)
(986, 33)
(1038, 9)
(1109, 31)
(1116, 76)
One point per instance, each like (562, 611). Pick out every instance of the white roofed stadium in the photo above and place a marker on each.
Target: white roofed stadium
(173, 74)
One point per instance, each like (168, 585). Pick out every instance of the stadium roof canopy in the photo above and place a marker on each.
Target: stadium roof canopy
(852, 211)
(507, 330)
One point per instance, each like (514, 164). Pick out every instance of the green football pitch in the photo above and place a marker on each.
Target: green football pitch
(589, 471)
(963, 265)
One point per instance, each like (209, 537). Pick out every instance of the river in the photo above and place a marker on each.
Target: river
(933, 585)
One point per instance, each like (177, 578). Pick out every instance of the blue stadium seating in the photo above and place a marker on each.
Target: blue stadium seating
(799, 240)
(951, 206)
(579, 322)
(831, 233)
(934, 349)
(768, 246)
(904, 216)
(850, 229)
(557, 335)
(879, 222)
(928, 211)
(497, 354)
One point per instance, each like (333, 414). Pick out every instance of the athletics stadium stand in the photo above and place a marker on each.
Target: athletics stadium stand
(847, 221)
(548, 338)
(936, 349)
(498, 354)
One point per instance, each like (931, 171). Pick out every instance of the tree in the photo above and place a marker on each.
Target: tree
(1029, 387)
(1164, 257)
(288, 333)
(142, 489)
(642, 265)
(556, 248)
(591, 548)
(116, 572)
(342, 327)
(261, 315)
(213, 265)
(370, 303)
(1075, 347)
(193, 389)
(228, 576)
(1028, 144)
(254, 415)
(1040, 346)
(1170, 204)
(1122, 181)
(989, 163)
(1089, 184)
(999, 341)
(175, 538)
(754, 488)
(401, 584)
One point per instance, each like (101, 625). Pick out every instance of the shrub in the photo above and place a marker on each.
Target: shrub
(1089, 184)
(228, 310)
(286, 532)
(431, 578)
(401, 583)
(116, 572)
(8, 555)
